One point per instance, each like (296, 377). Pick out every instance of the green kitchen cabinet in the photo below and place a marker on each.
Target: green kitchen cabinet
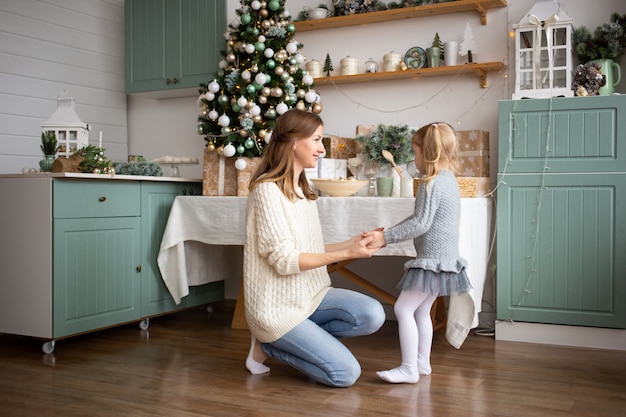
(172, 44)
(78, 254)
(561, 223)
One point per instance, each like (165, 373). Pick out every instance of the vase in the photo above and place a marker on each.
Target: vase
(46, 164)
(613, 73)
(384, 186)
(450, 53)
(433, 56)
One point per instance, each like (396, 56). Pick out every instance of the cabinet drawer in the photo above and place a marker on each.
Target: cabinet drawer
(94, 198)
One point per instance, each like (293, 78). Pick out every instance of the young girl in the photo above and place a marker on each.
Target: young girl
(437, 268)
(293, 313)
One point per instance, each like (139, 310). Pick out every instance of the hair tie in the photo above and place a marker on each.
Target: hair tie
(434, 125)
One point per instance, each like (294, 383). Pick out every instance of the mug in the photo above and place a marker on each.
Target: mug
(613, 74)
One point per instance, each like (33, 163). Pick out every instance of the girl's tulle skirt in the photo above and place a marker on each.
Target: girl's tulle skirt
(435, 283)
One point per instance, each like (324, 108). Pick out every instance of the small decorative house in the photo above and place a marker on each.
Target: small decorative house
(543, 52)
(71, 133)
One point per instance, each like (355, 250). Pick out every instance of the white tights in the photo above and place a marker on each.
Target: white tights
(415, 329)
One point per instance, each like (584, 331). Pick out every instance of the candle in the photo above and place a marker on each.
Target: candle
(100, 141)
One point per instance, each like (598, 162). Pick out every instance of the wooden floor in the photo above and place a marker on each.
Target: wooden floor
(192, 364)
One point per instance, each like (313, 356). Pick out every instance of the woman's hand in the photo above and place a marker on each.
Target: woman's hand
(378, 238)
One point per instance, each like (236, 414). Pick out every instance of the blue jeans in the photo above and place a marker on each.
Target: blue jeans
(312, 346)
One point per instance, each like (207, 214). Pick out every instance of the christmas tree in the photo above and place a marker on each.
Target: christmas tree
(260, 78)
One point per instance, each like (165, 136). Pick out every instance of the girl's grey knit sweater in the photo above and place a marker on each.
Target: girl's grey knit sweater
(434, 226)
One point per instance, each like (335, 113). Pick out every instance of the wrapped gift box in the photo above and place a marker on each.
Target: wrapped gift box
(219, 176)
(341, 148)
(362, 130)
(332, 168)
(244, 176)
(473, 153)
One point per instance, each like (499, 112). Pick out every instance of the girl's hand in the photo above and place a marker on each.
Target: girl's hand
(378, 239)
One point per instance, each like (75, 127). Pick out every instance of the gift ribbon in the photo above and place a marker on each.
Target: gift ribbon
(221, 174)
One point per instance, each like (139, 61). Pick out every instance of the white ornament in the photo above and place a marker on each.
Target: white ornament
(214, 86)
(235, 23)
(250, 48)
(269, 52)
(224, 120)
(213, 114)
(242, 101)
(310, 96)
(281, 108)
(246, 75)
(229, 150)
(256, 5)
(300, 59)
(255, 110)
(292, 47)
(261, 38)
(223, 64)
(241, 164)
(307, 79)
(260, 78)
(209, 96)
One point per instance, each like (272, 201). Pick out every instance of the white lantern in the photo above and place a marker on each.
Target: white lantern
(71, 133)
(543, 52)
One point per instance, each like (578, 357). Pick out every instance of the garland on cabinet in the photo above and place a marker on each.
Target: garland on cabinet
(259, 79)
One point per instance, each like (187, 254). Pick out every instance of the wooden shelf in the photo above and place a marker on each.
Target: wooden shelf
(458, 6)
(480, 69)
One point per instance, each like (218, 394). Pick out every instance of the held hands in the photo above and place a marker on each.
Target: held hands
(377, 238)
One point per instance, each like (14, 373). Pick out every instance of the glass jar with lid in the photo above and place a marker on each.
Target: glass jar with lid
(371, 65)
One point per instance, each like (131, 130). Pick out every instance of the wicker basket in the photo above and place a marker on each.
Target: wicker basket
(469, 187)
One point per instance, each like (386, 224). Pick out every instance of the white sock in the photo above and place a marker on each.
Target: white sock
(403, 374)
(252, 365)
(423, 366)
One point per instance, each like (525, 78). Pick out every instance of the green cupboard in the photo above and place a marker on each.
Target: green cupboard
(561, 211)
(172, 44)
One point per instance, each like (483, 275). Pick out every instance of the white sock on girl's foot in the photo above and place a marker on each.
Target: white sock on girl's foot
(403, 374)
(423, 366)
(252, 365)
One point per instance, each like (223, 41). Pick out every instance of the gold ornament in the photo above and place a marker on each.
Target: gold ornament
(254, 68)
(262, 133)
(279, 70)
(262, 100)
(211, 147)
(317, 108)
(300, 105)
(220, 150)
(263, 12)
(265, 91)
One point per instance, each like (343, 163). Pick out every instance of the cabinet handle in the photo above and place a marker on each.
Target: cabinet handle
(167, 81)
(102, 199)
(138, 268)
(175, 81)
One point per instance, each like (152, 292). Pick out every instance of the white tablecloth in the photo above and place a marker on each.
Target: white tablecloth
(218, 221)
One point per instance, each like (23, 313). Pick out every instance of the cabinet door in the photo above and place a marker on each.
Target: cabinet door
(172, 44)
(95, 273)
(157, 200)
(561, 246)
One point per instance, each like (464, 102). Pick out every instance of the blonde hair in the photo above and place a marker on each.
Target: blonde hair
(438, 142)
(277, 163)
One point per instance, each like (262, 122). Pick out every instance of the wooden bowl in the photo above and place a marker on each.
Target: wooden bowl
(338, 188)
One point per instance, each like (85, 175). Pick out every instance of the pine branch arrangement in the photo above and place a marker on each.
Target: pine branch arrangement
(49, 144)
(395, 139)
(607, 42)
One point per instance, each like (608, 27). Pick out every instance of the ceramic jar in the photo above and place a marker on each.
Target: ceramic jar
(391, 61)
(314, 68)
(349, 66)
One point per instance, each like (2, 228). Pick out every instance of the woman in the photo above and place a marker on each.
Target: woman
(293, 313)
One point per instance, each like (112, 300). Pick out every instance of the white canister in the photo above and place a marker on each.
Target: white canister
(349, 66)
(450, 53)
(314, 68)
(391, 61)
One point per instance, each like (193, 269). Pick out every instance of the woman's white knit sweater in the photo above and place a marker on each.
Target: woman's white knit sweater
(277, 295)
